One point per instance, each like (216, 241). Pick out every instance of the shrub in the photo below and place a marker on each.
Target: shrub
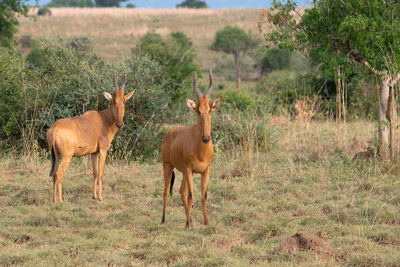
(81, 43)
(193, 4)
(130, 5)
(234, 100)
(175, 54)
(44, 11)
(26, 41)
(63, 82)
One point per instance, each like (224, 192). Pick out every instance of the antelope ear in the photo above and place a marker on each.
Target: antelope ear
(128, 95)
(108, 96)
(216, 103)
(191, 104)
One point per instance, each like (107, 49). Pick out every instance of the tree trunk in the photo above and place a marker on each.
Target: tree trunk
(383, 122)
(392, 117)
(338, 97)
(237, 66)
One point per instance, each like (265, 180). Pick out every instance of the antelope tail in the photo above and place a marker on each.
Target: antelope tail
(172, 183)
(53, 161)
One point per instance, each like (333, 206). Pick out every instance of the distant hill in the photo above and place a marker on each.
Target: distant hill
(210, 3)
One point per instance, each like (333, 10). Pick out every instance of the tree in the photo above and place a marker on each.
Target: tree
(234, 40)
(71, 3)
(109, 3)
(193, 4)
(276, 59)
(355, 34)
(8, 20)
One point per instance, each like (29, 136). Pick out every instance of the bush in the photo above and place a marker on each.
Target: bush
(58, 81)
(81, 44)
(176, 55)
(44, 11)
(26, 41)
(130, 5)
(235, 100)
(276, 59)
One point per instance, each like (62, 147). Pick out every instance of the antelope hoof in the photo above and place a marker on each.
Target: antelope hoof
(188, 225)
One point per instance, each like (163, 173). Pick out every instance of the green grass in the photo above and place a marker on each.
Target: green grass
(297, 186)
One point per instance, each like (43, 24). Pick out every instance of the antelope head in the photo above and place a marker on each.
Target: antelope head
(203, 108)
(118, 99)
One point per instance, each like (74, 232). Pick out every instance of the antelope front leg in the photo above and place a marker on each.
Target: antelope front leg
(102, 159)
(190, 198)
(95, 166)
(168, 170)
(204, 185)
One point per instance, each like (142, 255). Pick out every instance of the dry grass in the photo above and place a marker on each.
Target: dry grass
(354, 205)
(115, 30)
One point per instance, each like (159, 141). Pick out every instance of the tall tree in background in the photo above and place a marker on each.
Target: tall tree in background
(109, 3)
(9, 9)
(355, 34)
(193, 4)
(234, 40)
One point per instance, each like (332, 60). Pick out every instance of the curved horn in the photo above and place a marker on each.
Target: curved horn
(208, 92)
(124, 83)
(196, 90)
(115, 81)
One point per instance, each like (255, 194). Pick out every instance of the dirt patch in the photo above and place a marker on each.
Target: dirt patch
(301, 242)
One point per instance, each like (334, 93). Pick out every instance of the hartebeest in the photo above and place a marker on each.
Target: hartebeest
(90, 133)
(190, 150)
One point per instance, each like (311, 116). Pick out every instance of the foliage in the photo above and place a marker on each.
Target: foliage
(337, 32)
(234, 40)
(60, 81)
(176, 54)
(130, 5)
(44, 11)
(9, 9)
(71, 3)
(233, 101)
(275, 59)
(109, 3)
(193, 4)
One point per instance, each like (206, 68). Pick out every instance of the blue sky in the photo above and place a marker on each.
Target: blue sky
(211, 3)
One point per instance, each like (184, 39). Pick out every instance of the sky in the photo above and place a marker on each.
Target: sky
(210, 3)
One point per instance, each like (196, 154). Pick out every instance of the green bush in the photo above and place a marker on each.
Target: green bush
(58, 81)
(176, 55)
(242, 128)
(235, 100)
(44, 11)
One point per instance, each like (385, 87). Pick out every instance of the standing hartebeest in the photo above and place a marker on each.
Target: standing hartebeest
(90, 133)
(190, 150)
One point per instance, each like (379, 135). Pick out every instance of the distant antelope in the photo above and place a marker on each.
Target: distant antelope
(90, 133)
(190, 150)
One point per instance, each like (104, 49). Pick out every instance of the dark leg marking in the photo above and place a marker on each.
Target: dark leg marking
(205, 195)
(190, 195)
(187, 224)
(163, 218)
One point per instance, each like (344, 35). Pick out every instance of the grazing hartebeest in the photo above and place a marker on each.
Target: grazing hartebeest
(190, 150)
(90, 133)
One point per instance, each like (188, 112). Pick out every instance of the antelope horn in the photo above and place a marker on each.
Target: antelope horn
(196, 90)
(124, 83)
(208, 92)
(115, 81)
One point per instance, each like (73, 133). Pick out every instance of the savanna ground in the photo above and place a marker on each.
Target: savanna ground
(306, 183)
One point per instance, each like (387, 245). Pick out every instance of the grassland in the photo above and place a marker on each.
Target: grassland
(307, 183)
(115, 31)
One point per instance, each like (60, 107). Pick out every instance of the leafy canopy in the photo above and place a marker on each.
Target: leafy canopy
(71, 3)
(109, 3)
(336, 32)
(193, 4)
(233, 40)
(8, 20)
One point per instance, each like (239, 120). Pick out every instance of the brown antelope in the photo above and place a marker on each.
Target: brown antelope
(190, 150)
(90, 133)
